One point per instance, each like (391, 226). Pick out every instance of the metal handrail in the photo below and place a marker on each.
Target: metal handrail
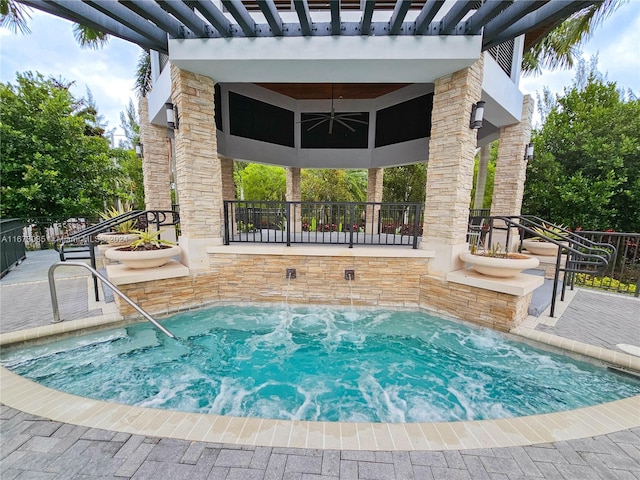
(580, 251)
(54, 296)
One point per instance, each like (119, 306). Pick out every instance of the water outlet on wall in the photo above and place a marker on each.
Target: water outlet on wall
(291, 273)
(349, 274)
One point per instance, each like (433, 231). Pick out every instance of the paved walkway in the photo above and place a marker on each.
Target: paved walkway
(34, 448)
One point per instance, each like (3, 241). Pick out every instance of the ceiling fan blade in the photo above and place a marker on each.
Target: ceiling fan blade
(314, 119)
(320, 122)
(352, 120)
(344, 125)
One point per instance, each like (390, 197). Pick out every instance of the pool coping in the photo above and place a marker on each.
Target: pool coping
(33, 398)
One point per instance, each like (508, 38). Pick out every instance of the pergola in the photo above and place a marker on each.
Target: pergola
(336, 84)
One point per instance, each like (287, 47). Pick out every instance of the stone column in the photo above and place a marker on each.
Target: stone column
(156, 165)
(156, 161)
(450, 168)
(228, 187)
(511, 168)
(481, 177)
(294, 194)
(374, 194)
(198, 167)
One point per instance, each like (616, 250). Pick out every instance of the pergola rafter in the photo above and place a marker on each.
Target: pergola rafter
(149, 23)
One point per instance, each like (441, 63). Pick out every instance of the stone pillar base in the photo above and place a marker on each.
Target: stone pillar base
(193, 252)
(446, 258)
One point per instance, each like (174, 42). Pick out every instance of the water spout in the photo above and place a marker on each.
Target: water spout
(349, 274)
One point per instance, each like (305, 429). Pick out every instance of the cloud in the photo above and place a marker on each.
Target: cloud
(52, 50)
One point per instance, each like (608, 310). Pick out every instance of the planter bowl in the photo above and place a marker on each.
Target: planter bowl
(117, 239)
(535, 247)
(142, 258)
(499, 267)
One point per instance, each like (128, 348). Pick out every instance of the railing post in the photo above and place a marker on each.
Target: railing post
(225, 209)
(92, 255)
(416, 225)
(352, 209)
(288, 216)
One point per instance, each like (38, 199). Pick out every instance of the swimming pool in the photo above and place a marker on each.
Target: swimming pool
(319, 363)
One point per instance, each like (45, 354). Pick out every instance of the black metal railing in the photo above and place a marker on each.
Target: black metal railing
(622, 274)
(81, 244)
(581, 255)
(12, 239)
(41, 233)
(346, 223)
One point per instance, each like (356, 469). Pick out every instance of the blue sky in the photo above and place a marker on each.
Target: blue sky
(109, 72)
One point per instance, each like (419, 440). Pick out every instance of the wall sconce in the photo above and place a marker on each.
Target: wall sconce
(172, 115)
(528, 152)
(477, 114)
(139, 150)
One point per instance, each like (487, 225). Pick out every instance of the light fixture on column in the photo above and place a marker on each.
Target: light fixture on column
(139, 150)
(477, 114)
(528, 152)
(172, 115)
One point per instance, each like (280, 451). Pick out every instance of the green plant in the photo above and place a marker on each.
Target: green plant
(148, 240)
(549, 231)
(124, 227)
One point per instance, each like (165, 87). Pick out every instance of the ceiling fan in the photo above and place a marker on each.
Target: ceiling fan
(317, 119)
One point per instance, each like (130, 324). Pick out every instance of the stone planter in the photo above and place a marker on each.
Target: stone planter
(117, 239)
(143, 258)
(500, 267)
(535, 247)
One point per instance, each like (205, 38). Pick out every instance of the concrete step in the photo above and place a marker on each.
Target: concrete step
(541, 297)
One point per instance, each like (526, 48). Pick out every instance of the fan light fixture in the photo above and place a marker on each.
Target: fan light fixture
(317, 119)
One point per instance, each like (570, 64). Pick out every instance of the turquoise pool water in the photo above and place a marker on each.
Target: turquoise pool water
(319, 363)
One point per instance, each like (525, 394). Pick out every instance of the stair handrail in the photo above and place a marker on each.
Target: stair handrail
(598, 252)
(54, 296)
(569, 242)
(157, 217)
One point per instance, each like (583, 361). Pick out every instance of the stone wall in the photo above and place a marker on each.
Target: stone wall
(383, 282)
(156, 161)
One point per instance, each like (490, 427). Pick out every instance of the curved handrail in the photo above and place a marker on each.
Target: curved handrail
(157, 217)
(54, 296)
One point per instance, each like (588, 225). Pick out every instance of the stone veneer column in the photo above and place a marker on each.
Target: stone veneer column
(375, 181)
(511, 167)
(294, 194)
(450, 168)
(481, 178)
(156, 166)
(156, 161)
(228, 187)
(198, 167)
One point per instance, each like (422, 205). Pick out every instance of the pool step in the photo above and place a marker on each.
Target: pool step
(139, 340)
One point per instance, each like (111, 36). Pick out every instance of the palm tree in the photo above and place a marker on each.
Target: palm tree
(15, 16)
(143, 82)
(559, 48)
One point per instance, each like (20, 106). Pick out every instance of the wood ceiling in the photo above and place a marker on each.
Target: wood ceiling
(320, 91)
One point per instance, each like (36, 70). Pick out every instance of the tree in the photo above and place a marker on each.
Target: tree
(144, 82)
(52, 164)
(258, 182)
(334, 185)
(15, 17)
(559, 48)
(405, 184)
(586, 172)
(130, 126)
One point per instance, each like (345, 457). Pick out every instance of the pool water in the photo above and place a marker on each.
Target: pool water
(319, 363)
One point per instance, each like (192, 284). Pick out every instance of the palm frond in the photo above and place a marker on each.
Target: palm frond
(14, 16)
(143, 75)
(89, 37)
